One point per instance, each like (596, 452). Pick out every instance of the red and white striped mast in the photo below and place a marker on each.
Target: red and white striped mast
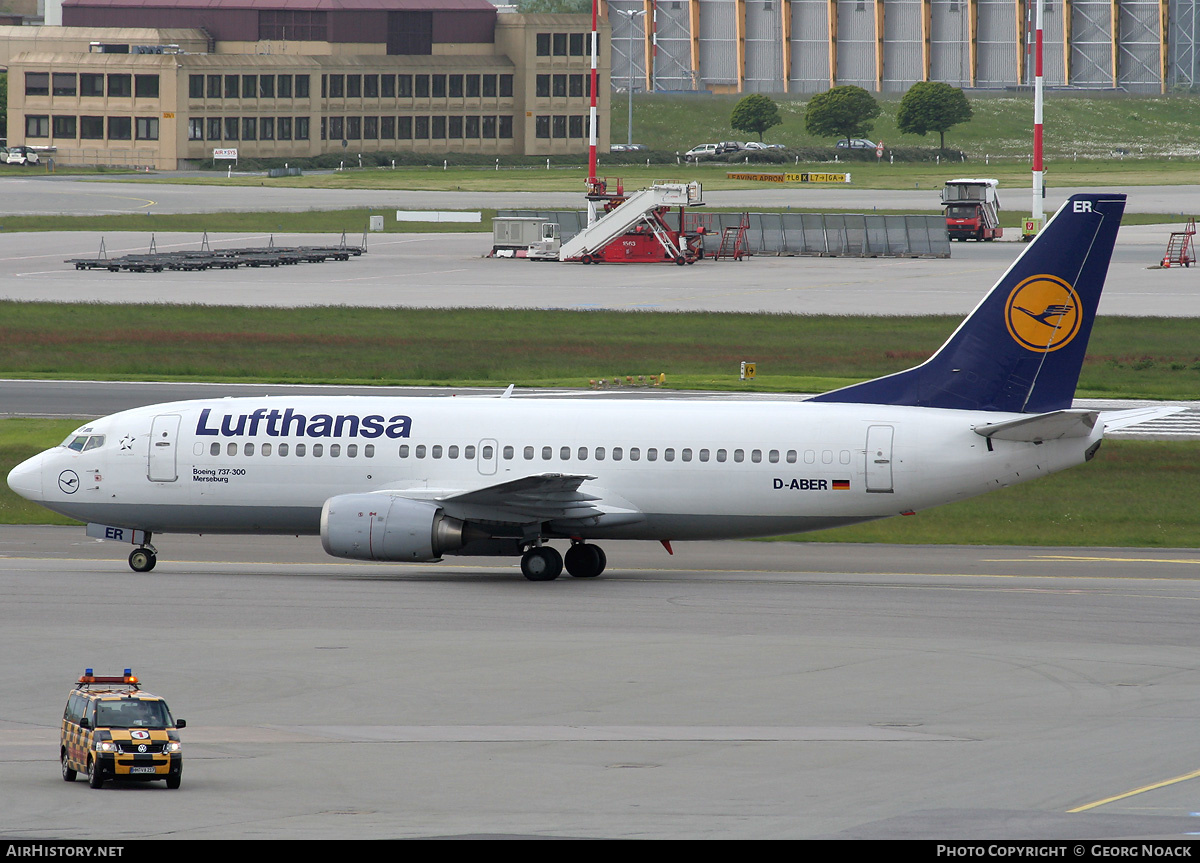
(593, 183)
(1038, 172)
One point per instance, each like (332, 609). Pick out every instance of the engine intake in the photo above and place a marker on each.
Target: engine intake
(384, 527)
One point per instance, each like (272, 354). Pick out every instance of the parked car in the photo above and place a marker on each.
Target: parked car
(21, 156)
(700, 151)
(730, 146)
(855, 144)
(759, 145)
(626, 148)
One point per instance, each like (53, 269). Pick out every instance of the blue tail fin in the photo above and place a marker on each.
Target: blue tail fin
(1022, 347)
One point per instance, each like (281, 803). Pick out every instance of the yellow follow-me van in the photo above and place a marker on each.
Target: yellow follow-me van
(111, 729)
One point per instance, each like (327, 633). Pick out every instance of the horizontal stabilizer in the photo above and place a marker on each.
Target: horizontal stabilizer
(1043, 427)
(1117, 420)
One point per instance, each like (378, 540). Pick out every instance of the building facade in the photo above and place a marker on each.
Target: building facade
(807, 46)
(276, 80)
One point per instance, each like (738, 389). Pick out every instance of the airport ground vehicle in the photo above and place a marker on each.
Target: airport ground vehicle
(972, 209)
(22, 156)
(112, 729)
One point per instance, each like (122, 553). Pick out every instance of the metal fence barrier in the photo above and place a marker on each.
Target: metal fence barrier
(803, 234)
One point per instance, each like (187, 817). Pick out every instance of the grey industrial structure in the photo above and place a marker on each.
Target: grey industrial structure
(807, 46)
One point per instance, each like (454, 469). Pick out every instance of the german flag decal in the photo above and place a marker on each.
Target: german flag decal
(841, 485)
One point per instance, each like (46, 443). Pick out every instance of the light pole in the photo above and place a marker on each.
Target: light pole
(631, 16)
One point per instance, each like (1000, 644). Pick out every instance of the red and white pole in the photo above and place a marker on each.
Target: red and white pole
(1038, 172)
(593, 182)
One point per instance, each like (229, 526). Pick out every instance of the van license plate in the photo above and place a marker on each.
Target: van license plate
(141, 769)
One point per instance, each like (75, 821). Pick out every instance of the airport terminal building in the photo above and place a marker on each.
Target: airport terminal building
(164, 84)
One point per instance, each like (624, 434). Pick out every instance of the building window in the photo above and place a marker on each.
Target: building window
(232, 86)
(387, 128)
(454, 127)
(354, 87)
(506, 86)
(560, 85)
(213, 86)
(439, 87)
(195, 86)
(120, 128)
(266, 86)
(404, 86)
(249, 86)
(560, 44)
(404, 128)
(301, 128)
(284, 86)
(337, 86)
(371, 127)
(577, 126)
(387, 86)
(371, 86)
(576, 86)
(421, 86)
(489, 86)
(91, 84)
(146, 86)
(301, 86)
(195, 128)
(249, 128)
(292, 26)
(560, 126)
(439, 128)
(543, 44)
(578, 44)
(421, 128)
(506, 126)
(37, 83)
(65, 83)
(337, 127)
(542, 87)
(214, 128)
(120, 86)
(64, 127)
(541, 126)
(454, 86)
(284, 127)
(354, 128)
(91, 128)
(472, 127)
(472, 86)
(266, 129)
(37, 126)
(489, 127)
(231, 128)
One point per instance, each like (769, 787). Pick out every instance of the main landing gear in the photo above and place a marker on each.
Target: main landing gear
(143, 558)
(543, 563)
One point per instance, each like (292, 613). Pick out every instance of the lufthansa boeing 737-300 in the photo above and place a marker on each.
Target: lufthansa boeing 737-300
(414, 479)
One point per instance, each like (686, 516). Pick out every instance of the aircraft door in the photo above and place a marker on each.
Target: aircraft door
(164, 441)
(488, 457)
(879, 459)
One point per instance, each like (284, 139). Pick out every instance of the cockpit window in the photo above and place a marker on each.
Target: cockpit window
(83, 442)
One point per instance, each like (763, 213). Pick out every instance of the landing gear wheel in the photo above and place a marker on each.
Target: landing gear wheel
(94, 774)
(142, 560)
(584, 560)
(68, 774)
(541, 563)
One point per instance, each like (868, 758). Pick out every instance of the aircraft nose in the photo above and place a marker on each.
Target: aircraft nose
(26, 478)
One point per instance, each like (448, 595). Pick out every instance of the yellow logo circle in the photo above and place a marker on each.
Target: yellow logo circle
(1043, 313)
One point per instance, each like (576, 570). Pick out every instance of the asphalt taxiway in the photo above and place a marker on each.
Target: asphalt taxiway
(734, 690)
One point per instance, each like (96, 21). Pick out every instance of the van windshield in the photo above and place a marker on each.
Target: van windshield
(133, 713)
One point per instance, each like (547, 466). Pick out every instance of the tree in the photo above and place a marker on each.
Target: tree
(845, 111)
(754, 113)
(931, 106)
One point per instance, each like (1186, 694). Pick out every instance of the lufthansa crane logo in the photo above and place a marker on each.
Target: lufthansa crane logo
(1043, 314)
(68, 481)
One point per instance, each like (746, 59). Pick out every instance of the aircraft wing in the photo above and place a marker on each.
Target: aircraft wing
(541, 497)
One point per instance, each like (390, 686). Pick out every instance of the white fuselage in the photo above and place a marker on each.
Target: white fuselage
(662, 469)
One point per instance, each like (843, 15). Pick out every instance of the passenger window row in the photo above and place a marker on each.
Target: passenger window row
(300, 449)
(669, 454)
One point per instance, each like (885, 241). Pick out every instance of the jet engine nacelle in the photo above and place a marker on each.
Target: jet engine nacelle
(383, 527)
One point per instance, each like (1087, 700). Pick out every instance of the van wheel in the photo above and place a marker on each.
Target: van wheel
(68, 774)
(95, 775)
(173, 781)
